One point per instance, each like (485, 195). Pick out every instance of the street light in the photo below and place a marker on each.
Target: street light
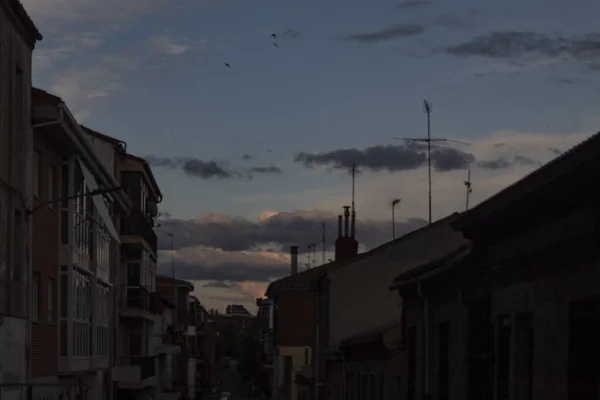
(394, 203)
(96, 192)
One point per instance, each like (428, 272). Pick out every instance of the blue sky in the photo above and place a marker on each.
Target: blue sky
(152, 73)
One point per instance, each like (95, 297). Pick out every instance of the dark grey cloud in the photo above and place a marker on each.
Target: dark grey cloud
(220, 284)
(209, 169)
(386, 34)
(289, 34)
(405, 157)
(276, 232)
(246, 156)
(388, 158)
(266, 170)
(226, 274)
(504, 162)
(413, 4)
(521, 45)
(555, 151)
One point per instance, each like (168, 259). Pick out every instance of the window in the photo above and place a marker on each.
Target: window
(503, 365)
(102, 318)
(64, 311)
(444, 361)
(135, 344)
(19, 240)
(82, 313)
(36, 172)
(411, 342)
(50, 300)
(51, 185)
(35, 296)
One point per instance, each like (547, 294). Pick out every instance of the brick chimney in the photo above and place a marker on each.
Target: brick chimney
(346, 245)
(294, 259)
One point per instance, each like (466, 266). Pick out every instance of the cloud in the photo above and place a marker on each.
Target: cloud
(212, 264)
(289, 34)
(266, 170)
(60, 12)
(386, 34)
(526, 46)
(413, 4)
(246, 157)
(403, 158)
(209, 169)
(273, 230)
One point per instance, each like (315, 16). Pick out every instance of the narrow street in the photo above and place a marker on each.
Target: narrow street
(233, 385)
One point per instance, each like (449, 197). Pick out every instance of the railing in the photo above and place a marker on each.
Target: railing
(147, 365)
(138, 297)
(140, 225)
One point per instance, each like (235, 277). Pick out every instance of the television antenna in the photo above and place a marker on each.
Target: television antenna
(429, 140)
(469, 187)
(394, 203)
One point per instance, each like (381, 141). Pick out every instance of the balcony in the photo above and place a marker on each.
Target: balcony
(138, 302)
(137, 224)
(135, 372)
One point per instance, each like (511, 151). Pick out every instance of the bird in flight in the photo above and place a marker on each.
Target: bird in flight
(274, 36)
(227, 65)
(275, 44)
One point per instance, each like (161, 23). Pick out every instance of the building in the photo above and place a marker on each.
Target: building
(514, 316)
(236, 309)
(18, 36)
(205, 353)
(183, 331)
(71, 332)
(140, 357)
(300, 305)
(363, 352)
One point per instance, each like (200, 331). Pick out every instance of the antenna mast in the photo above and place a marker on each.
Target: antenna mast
(469, 188)
(427, 108)
(323, 240)
(353, 217)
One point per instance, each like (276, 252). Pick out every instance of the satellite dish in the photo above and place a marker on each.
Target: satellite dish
(152, 209)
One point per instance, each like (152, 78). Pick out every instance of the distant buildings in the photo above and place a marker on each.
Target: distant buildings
(236, 309)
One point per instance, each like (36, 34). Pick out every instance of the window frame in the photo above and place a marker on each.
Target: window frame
(50, 290)
(35, 296)
(35, 165)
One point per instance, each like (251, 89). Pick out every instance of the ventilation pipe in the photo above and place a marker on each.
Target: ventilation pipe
(294, 259)
(339, 226)
(346, 220)
(353, 224)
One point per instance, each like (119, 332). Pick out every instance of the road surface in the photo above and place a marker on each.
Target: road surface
(233, 384)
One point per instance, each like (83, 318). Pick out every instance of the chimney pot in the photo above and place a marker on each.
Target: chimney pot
(294, 259)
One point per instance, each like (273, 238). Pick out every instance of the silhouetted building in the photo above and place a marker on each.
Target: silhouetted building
(236, 309)
(516, 315)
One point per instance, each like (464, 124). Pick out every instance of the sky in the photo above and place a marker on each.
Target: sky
(252, 112)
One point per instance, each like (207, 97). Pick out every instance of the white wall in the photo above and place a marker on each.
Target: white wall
(105, 151)
(359, 297)
(12, 354)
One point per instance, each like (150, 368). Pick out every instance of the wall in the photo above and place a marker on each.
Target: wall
(544, 287)
(105, 151)
(295, 318)
(297, 355)
(12, 354)
(45, 257)
(359, 296)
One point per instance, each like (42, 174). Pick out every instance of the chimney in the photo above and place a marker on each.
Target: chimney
(346, 246)
(353, 223)
(294, 258)
(346, 220)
